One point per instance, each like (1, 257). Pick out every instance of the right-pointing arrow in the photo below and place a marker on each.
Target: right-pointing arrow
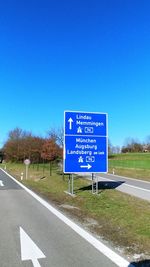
(29, 250)
(86, 166)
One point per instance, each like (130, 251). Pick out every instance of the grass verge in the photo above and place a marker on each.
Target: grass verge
(135, 165)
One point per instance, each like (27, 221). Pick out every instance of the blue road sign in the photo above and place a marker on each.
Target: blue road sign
(85, 142)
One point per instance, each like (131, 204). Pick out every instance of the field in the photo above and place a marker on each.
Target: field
(117, 218)
(136, 165)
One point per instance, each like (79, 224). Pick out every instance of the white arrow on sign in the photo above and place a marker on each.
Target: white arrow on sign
(86, 166)
(1, 183)
(29, 250)
(70, 123)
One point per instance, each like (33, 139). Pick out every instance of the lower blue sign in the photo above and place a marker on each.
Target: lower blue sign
(85, 154)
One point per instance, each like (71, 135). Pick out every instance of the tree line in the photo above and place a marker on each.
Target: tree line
(136, 146)
(23, 144)
(131, 145)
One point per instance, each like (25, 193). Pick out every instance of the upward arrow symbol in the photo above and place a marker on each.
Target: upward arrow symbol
(29, 250)
(70, 123)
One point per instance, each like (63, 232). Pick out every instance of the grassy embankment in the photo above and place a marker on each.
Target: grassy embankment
(119, 218)
(136, 165)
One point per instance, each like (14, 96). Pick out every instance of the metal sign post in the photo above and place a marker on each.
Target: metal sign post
(72, 183)
(96, 184)
(27, 163)
(92, 183)
(69, 185)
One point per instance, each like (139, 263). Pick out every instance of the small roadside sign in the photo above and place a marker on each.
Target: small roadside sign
(85, 142)
(26, 161)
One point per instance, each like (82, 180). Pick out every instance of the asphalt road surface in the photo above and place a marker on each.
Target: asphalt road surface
(34, 234)
(135, 187)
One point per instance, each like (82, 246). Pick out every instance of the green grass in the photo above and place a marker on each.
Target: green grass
(136, 165)
(119, 218)
(131, 160)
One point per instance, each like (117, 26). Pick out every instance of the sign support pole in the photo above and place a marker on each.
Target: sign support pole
(92, 183)
(69, 191)
(72, 184)
(96, 185)
(27, 162)
(26, 172)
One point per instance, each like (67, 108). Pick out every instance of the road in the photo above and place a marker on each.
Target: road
(35, 234)
(134, 187)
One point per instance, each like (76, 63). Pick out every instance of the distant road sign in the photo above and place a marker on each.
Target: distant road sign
(26, 161)
(85, 142)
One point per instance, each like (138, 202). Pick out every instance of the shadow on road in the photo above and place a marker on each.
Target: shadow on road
(143, 263)
(103, 185)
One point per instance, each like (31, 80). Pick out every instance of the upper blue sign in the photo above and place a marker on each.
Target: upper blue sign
(85, 142)
(81, 123)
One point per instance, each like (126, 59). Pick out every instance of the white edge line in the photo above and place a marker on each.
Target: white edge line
(114, 257)
(136, 187)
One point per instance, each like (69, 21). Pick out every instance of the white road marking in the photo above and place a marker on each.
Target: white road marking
(113, 256)
(29, 250)
(1, 183)
(136, 187)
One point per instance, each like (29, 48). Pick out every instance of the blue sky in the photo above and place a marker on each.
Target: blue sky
(77, 55)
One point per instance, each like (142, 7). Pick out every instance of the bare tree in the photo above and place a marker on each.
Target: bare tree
(132, 145)
(57, 135)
